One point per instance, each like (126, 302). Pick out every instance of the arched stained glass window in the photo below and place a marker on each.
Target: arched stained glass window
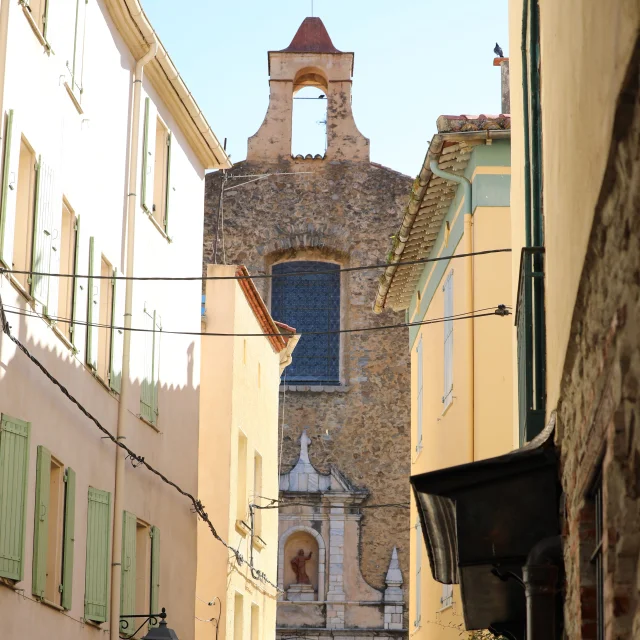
(310, 303)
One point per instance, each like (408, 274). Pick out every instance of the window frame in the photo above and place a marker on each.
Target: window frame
(596, 496)
(329, 380)
(154, 356)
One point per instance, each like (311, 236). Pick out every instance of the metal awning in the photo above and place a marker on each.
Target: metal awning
(480, 521)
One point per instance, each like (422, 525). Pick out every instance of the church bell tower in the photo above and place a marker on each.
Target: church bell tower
(310, 60)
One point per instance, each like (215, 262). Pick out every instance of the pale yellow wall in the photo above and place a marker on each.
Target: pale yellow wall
(445, 439)
(235, 399)
(585, 49)
(88, 154)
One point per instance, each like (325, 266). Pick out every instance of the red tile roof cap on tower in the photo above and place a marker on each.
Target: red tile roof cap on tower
(311, 37)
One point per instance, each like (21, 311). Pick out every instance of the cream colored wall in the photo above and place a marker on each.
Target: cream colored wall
(445, 435)
(235, 400)
(88, 153)
(582, 70)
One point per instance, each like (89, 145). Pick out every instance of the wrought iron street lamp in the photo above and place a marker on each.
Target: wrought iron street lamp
(161, 632)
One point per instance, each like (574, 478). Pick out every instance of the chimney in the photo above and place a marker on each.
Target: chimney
(503, 63)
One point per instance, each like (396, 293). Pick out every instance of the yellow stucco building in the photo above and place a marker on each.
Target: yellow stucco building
(239, 458)
(460, 342)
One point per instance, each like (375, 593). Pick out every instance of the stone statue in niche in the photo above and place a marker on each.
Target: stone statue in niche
(298, 564)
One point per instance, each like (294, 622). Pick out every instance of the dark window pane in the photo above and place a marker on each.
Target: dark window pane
(311, 304)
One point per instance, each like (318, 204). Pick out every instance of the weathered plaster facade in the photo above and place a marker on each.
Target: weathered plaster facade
(340, 209)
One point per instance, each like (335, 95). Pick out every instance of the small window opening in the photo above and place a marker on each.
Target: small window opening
(67, 266)
(104, 330)
(257, 492)
(52, 591)
(309, 127)
(241, 482)
(25, 208)
(597, 558)
(143, 568)
(160, 177)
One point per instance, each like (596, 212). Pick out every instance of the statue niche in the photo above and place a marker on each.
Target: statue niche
(301, 567)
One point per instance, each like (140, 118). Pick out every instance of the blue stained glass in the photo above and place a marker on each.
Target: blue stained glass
(310, 303)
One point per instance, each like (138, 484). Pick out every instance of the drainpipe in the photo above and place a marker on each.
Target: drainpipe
(468, 248)
(540, 576)
(134, 144)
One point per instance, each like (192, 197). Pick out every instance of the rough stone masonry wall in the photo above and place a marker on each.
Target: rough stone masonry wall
(344, 211)
(599, 416)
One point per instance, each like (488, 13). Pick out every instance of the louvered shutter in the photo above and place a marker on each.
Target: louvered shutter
(10, 162)
(42, 233)
(96, 590)
(41, 522)
(68, 538)
(79, 294)
(14, 473)
(148, 154)
(128, 583)
(76, 63)
(167, 201)
(55, 213)
(148, 389)
(93, 303)
(155, 571)
(117, 334)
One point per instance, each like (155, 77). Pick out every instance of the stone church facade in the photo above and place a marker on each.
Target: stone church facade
(347, 392)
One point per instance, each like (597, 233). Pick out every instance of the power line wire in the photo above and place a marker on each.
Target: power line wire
(499, 310)
(258, 276)
(198, 507)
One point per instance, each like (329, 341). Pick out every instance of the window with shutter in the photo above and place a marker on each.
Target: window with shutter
(68, 257)
(149, 386)
(418, 575)
(25, 202)
(128, 574)
(419, 398)
(105, 316)
(161, 173)
(96, 594)
(54, 522)
(10, 164)
(148, 154)
(155, 573)
(75, 65)
(117, 334)
(14, 470)
(93, 304)
(447, 397)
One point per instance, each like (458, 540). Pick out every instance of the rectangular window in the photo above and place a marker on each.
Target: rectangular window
(447, 397)
(447, 596)
(255, 622)
(149, 388)
(418, 575)
(25, 210)
(238, 616)
(311, 304)
(96, 591)
(75, 64)
(143, 568)
(105, 315)
(257, 493)
(53, 530)
(597, 558)
(14, 470)
(68, 252)
(241, 483)
(161, 173)
(419, 399)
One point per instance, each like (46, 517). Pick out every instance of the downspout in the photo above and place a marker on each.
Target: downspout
(468, 248)
(125, 390)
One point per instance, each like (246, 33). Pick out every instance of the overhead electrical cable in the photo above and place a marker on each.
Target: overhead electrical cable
(258, 276)
(136, 459)
(498, 310)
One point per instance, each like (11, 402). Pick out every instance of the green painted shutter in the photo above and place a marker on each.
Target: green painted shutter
(42, 233)
(41, 522)
(14, 473)
(128, 583)
(155, 571)
(77, 286)
(69, 538)
(93, 304)
(10, 157)
(168, 193)
(117, 335)
(96, 591)
(148, 153)
(151, 366)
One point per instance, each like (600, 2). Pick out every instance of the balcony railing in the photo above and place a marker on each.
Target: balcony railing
(530, 322)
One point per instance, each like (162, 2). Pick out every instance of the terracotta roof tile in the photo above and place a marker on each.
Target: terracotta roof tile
(311, 37)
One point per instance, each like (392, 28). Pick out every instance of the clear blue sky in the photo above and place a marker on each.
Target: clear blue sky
(414, 60)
